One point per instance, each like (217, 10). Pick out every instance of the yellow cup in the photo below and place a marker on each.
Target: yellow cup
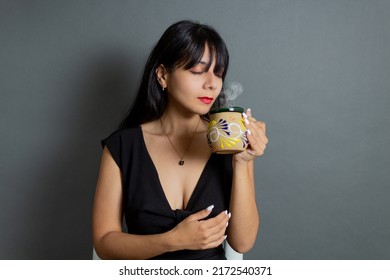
(226, 132)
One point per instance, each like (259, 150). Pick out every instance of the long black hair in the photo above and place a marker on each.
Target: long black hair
(182, 45)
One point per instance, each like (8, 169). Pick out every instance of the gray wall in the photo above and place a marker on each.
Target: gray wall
(316, 71)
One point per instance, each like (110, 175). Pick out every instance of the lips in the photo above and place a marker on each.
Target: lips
(206, 99)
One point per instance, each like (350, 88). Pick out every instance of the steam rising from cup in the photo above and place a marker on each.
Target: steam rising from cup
(231, 92)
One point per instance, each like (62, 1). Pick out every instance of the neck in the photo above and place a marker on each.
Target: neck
(180, 125)
(185, 134)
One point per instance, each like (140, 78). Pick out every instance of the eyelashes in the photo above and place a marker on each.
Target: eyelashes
(195, 72)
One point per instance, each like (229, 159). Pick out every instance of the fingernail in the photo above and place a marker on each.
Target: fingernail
(230, 215)
(210, 208)
(249, 132)
(226, 212)
(246, 121)
(245, 115)
(227, 224)
(249, 112)
(225, 237)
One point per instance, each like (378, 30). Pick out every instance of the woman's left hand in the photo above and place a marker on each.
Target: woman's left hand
(256, 136)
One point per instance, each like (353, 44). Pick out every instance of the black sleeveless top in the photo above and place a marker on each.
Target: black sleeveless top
(146, 207)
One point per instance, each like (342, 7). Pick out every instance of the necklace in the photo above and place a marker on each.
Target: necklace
(181, 161)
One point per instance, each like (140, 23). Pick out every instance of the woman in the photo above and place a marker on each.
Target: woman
(179, 200)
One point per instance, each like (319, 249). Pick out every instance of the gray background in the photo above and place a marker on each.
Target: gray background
(317, 72)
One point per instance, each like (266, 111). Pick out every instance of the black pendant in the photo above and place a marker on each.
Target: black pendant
(181, 162)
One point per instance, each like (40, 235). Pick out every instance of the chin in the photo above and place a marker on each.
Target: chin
(203, 112)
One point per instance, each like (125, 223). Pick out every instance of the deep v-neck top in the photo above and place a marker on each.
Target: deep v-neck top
(146, 208)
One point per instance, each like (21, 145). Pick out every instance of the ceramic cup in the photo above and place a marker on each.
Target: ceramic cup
(226, 132)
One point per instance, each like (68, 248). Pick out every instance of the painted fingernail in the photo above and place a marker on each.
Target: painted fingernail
(210, 208)
(245, 115)
(249, 132)
(227, 224)
(224, 237)
(246, 121)
(249, 112)
(230, 215)
(226, 212)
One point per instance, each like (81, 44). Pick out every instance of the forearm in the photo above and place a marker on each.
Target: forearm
(193, 233)
(244, 223)
(119, 245)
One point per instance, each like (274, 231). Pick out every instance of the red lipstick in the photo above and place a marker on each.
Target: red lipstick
(206, 99)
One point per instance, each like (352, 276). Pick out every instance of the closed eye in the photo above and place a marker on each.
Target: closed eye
(202, 68)
(196, 72)
(198, 69)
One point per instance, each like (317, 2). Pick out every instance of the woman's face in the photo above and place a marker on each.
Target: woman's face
(195, 89)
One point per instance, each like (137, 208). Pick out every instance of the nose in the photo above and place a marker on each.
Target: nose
(211, 81)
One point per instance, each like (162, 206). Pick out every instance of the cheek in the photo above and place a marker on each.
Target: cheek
(180, 88)
(185, 84)
(220, 83)
(218, 88)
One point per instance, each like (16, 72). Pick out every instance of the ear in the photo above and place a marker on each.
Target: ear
(161, 73)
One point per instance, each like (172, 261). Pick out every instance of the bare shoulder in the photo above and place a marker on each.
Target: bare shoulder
(108, 166)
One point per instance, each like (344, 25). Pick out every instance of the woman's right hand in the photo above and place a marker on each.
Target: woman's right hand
(195, 233)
